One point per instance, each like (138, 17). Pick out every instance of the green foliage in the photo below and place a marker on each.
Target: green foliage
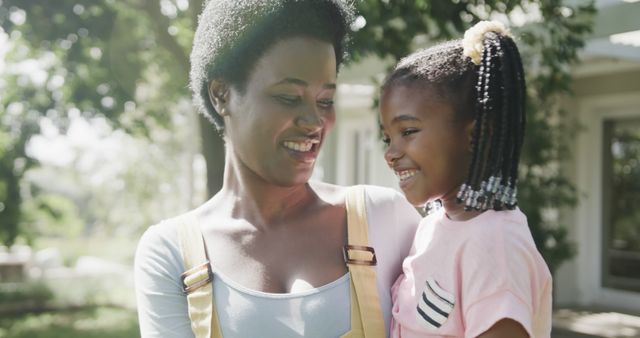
(115, 57)
(125, 61)
(551, 50)
(394, 27)
(52, 215)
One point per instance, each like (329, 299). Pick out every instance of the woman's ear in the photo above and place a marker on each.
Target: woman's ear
(219, 96)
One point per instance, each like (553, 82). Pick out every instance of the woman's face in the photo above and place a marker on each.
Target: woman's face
(428, 147)
(276, 127)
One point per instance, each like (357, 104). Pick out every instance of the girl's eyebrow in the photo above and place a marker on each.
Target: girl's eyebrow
(401, 118)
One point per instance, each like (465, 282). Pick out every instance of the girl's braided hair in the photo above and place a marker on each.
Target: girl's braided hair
(482, 78)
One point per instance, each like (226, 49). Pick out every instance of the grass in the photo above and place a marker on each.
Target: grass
(99, 322)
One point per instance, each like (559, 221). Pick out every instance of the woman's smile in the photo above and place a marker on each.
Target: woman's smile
(305, 151)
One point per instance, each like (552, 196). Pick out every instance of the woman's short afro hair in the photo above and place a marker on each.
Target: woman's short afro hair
(233, 34)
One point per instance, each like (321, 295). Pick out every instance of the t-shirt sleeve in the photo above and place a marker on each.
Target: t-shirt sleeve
(392, 225)
(485, 313)
(407, 221)
(162, 307)
(502, 276)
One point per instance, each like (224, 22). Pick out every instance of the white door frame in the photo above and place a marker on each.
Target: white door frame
(592, 112)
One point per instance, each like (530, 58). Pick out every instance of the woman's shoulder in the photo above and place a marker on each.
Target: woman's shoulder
(377, 197)
(162, 232)
(375, 193)
(159, 244)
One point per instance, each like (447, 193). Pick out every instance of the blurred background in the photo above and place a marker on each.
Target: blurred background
(99, 140)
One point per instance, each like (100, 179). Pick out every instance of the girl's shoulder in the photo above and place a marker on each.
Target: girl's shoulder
(488, 224)
(504, 238)
(508, 226)
(490, 234)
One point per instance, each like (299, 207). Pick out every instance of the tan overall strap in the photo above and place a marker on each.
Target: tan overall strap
(356, 320)
(202, 312)
(361, 262)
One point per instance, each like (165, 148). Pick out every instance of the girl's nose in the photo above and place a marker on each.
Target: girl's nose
(392, 154)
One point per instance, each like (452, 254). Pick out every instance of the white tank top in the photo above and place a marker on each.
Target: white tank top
(322, 312)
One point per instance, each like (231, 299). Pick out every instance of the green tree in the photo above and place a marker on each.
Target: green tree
(126, 61)
(18, 122)
(12, 166)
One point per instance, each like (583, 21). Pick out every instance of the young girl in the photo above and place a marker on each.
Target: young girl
(453, 118)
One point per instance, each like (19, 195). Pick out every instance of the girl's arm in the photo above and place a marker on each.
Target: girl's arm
(505, 328)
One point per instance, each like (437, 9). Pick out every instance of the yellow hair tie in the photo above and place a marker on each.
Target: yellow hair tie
(473, 41)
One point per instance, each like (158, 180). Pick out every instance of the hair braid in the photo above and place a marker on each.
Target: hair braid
(494, 173)
(489, 103)
(491, 176)
(478, 138)
(518, 107)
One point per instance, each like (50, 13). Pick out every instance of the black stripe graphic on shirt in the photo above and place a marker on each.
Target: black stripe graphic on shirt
(427, 318)
(437, 295)
(434, 307)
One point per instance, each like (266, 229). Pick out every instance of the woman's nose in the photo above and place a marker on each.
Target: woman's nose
(310, 120)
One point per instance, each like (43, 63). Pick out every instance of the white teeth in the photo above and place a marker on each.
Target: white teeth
(300, 146)
(406, 174)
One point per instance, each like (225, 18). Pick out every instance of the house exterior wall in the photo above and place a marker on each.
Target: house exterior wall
(598, 98)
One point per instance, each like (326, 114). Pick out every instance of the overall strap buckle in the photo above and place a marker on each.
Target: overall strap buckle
(196, 277)
(372, 261)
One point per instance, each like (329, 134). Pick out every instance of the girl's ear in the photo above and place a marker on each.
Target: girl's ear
(219, 96)
(468, 131)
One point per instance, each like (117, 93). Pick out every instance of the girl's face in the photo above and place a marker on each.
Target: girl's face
(276, 127)
(428, 147)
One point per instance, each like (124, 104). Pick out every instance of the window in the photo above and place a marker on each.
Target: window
(621, 204)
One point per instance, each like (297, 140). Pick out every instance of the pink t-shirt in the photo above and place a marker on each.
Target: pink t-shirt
(460, 278)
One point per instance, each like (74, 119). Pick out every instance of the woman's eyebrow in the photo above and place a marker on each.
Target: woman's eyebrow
(302, 83)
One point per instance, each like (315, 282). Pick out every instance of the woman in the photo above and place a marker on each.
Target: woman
(265, 72)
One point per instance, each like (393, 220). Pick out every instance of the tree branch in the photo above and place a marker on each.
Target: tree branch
(162, 23)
